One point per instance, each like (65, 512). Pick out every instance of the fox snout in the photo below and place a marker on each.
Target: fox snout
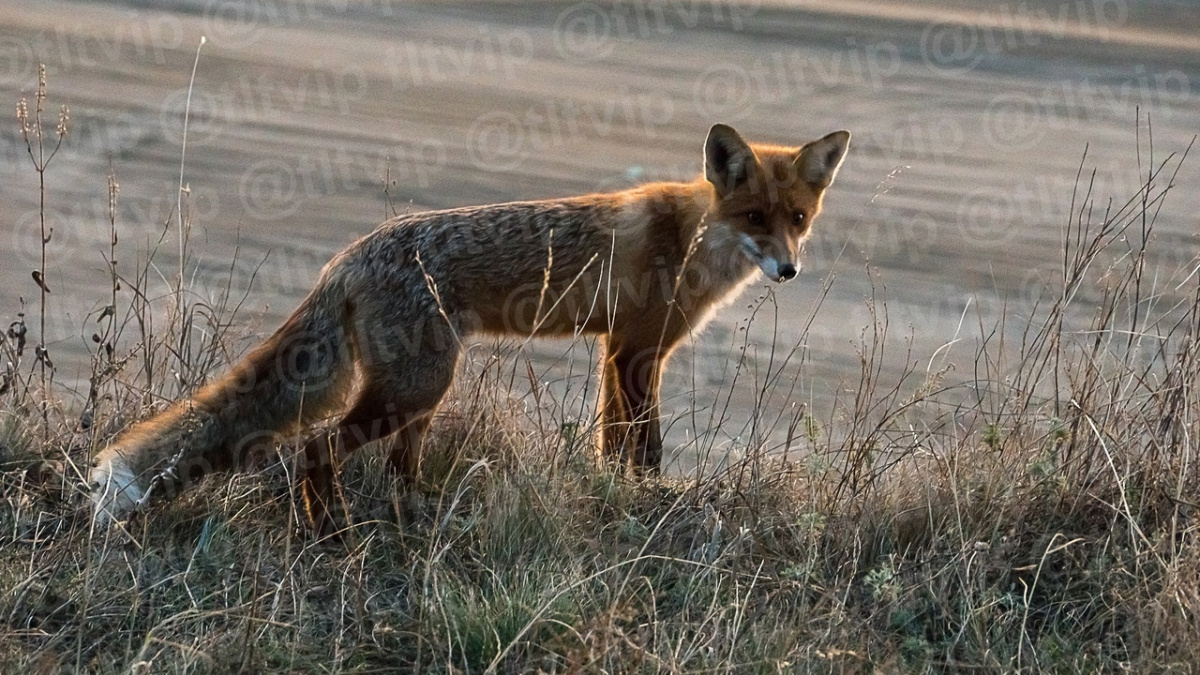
(772, 267)
(777, 271)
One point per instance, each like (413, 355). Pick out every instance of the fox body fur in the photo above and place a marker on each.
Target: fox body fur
(376, 343)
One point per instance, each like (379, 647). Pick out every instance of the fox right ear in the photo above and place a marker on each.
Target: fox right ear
(728, 160)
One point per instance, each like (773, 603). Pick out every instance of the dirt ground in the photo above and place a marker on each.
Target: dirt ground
(970, 124)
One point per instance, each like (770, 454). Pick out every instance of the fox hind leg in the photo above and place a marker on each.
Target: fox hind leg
(405, 456)
(400, 403)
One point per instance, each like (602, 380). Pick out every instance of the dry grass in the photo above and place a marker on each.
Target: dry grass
(1040, 515)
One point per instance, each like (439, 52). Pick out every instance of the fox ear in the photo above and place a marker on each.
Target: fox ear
(728, 160)
(819, 161)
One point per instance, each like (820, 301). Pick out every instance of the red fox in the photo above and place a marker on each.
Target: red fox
(377, 341)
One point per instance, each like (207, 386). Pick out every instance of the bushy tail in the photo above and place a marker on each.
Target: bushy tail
(300, 374)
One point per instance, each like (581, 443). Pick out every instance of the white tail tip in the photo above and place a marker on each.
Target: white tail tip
(115, 491)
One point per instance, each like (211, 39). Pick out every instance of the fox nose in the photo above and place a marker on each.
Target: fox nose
(786, 271)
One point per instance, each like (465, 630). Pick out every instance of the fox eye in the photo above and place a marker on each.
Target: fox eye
(797, 218)
(755, 218)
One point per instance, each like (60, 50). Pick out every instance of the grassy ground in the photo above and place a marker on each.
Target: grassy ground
(1032, 509)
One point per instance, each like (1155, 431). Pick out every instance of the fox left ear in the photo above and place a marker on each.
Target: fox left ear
(819, 161)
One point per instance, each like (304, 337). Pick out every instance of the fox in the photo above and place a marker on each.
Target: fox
(373, 348)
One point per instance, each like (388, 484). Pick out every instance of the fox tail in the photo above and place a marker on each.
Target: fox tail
(299, 375)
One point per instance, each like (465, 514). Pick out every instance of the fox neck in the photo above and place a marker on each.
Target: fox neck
(716, 250)
(720, 254)
(714, 266)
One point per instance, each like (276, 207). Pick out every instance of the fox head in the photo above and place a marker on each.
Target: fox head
(769, 195)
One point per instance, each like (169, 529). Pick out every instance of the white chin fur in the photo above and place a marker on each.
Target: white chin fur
(115, 491)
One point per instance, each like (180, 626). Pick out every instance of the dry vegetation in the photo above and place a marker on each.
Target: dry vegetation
(1040, 515)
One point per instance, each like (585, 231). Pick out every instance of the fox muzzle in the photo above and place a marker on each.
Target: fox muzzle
(770, 266)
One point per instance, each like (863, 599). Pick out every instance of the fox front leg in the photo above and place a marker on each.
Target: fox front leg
(632, 433)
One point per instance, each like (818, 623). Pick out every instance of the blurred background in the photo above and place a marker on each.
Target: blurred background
(310, 122)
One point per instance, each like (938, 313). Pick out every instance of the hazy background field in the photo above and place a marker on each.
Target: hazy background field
(969, 119)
